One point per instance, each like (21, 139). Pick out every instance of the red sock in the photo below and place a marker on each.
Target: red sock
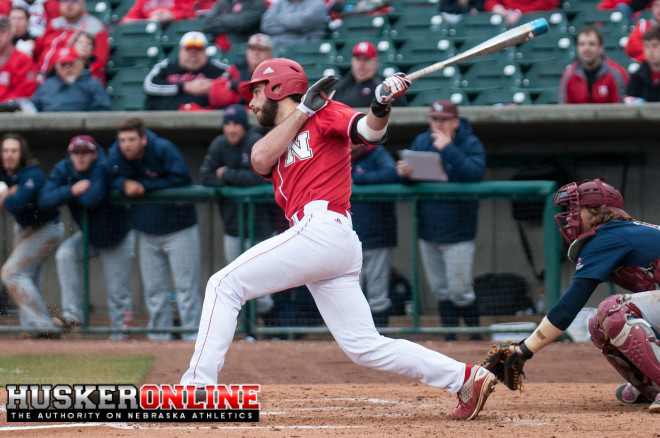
(468, 371)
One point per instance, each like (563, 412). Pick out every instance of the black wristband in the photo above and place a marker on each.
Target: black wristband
(380, 110)
(526, 352)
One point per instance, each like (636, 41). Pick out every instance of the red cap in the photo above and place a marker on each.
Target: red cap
(444, 109)
(365, 48)
(65, 54)
(82, 143)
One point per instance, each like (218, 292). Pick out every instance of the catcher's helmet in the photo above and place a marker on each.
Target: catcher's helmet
(589, 193)
(285, 73)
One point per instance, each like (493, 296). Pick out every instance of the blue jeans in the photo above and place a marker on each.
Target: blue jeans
(22, 272)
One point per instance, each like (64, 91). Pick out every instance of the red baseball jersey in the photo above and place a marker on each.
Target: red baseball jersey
(18, 76)
(317, 165)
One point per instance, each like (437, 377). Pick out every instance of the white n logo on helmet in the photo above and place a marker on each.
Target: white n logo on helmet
(268, 70)
(299, 147)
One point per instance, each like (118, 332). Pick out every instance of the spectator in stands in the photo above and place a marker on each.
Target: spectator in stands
(629, 8)
(61, 32)
(165, 11)
(375, 225)
(21, 37)
(356, 88)
(291, 21)
(227, 163)
(457, 7)
(512, 10)
(593, 78)
(84, 46)
(39, 13)
(82, 180)
(259, 48)
(71, 88)
(635, 45)
(18, 77)
(233, 21)
(184, 84)
(37, 233)
(447, 228)
(167, 234)
(644, 85)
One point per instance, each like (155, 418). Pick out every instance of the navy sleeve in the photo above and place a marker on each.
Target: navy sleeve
(57, 189)
(174, 168)
(383, 171)
(97, 189)
(467, 164)
(28, 190)
(564, 312)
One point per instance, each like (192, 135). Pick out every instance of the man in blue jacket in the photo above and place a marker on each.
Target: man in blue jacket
(168, 237)
(71, 88)
(37, 233)
(447, 228)
(375, 225)
(82, 180)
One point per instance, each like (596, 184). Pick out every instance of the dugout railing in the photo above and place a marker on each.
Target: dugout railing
(247, 198)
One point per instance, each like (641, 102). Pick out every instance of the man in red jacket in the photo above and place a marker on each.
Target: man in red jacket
(61, 31)
(593, 78)
(512, 10)
(17, 74)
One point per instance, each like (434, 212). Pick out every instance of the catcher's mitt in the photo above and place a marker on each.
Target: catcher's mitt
(507, 366)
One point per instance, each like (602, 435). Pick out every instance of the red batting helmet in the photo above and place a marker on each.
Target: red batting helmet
(589, 193)
(285, 73)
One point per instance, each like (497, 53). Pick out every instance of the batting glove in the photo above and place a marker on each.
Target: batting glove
(317, 96)
(392, 87)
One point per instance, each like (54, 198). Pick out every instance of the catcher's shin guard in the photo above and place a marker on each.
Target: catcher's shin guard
(628, 342)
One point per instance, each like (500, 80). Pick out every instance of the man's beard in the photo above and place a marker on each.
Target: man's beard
(268, 113)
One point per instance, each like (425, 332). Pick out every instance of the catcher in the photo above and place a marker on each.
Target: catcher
(606, 244)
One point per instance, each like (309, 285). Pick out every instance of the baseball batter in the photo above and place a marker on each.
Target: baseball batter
(307, 158)
(607, 244)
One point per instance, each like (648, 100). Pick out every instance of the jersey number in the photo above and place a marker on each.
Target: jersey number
(299, 147)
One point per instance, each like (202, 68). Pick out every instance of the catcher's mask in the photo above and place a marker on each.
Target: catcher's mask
(588, 193)
(283, 78)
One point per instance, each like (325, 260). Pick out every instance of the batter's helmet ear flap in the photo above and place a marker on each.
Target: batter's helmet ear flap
(283, 77)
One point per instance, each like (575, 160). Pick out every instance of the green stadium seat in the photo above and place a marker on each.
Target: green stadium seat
(605, 19)
(447, 78)
(417, 23)
(557, 20)
(384, 46)
(491, 74)
(556, 46)
(309, 52)
(457, 97)
(502, 96)
(126, 81)
(130, 34)
(543, 75)
(405, 6)
(137, 55)
(385, 70)
(101, 9)
(424, 49)
(235, 55)
(128, 102)
(119, 9)
(361, 26)
(548, 96)
(483, 24)
(315, 72)
(176, 29)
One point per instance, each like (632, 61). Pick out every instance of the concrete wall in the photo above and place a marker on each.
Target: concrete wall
(614, 141)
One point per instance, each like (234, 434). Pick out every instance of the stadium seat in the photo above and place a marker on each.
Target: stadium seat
(502, 96)
(457, 97)
(447, 78)
(482, 24)
(126, 81)
(417, 23)
(491, 74)
(557, 20)
(424, 49)
(361, 26)
(136, 55)
(405, 6)
(315, 72)
(119, 9)
(175, 30)
(549, 96)
(385, 70)
(556, 46)
(543, 75)
(235, 55)
(384, 46)
(310, 52)
(599, 18)
(129, 102)
(100, 9)
(130, 34)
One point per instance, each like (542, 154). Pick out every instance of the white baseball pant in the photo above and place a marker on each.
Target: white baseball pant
(323, 252)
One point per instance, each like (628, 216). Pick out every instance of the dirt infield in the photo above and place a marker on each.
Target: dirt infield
(311, 389)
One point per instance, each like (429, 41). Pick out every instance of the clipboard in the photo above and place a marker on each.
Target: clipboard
(427, 166)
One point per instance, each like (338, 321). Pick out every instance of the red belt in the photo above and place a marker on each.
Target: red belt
(298, 215)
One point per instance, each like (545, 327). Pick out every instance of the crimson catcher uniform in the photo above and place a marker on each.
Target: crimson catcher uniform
(312, 182)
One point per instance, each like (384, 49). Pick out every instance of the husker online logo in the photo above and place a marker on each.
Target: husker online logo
(153, 403)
